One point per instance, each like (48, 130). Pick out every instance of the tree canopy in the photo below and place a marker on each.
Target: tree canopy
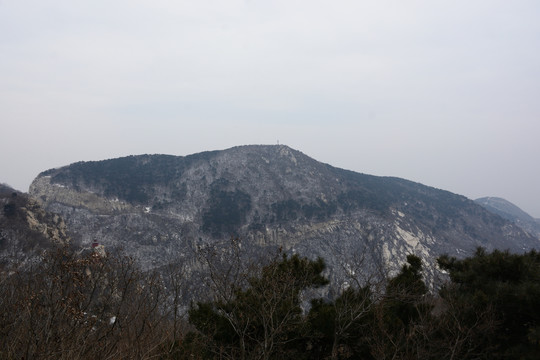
(82, 305)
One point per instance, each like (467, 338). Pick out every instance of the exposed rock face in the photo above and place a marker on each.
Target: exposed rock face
(26, 229)
(162, 208)
(509, 211)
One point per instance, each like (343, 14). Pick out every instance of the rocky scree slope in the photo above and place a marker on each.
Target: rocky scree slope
(163, 208)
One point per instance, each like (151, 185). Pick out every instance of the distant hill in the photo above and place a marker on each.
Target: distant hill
(161, 208)
(509, 211)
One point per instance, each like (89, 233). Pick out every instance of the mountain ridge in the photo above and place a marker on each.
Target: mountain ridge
(162, 206)
(511, 212)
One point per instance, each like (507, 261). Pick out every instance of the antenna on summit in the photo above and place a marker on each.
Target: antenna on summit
(278, 142)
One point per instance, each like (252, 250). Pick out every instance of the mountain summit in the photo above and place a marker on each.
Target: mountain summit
(159, 207)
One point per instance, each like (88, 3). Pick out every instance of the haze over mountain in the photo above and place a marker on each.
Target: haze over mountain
(162, 208)
(441, 93)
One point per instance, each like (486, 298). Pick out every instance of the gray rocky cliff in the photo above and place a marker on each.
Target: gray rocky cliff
(27, 229)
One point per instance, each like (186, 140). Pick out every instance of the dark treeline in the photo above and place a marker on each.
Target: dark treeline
(93, 306)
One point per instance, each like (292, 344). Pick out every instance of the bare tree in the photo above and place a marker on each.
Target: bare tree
(363, 281)
(72, 306)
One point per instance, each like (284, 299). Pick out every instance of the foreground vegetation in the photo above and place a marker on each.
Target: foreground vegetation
(87, 306)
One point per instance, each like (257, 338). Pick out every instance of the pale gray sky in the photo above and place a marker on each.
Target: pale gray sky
(446, 93)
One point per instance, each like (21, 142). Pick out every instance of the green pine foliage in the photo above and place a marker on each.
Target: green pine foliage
(404, 294)
(265, 319)
(340, 328)
(509, 284)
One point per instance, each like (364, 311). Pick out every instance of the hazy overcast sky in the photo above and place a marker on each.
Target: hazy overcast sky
(446, 93)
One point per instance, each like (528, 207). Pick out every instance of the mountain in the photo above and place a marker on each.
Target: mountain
(26, 229)
(509, 211)
(163, 208)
